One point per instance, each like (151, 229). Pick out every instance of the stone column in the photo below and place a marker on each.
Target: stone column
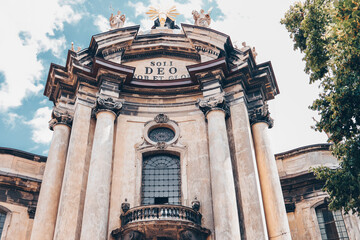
(247, 178)
(68, 223)
(226, 219)
(47, 207)
(96, 208)
(274, 205)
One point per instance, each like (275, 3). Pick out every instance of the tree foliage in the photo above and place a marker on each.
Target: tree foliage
(327, 32)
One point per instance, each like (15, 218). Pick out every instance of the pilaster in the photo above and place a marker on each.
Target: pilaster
(226, 220)
(96, 208)
(68, 223)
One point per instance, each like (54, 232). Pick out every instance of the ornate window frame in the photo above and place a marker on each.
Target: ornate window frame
(161, 121)
(324, 201)
(148, 147)
(7, 221)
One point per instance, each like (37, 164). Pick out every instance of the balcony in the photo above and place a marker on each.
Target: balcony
(170, 222)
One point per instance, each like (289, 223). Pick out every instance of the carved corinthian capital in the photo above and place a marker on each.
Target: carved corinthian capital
(261, 114)
(217, 102)
(60, 117)
(108, 104)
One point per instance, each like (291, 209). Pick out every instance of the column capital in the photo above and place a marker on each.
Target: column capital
(217, 102)
(104, 103)
(60, 117)
(261, 114)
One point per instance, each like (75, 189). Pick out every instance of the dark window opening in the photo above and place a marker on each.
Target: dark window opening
(2, 221)
(161, 179)
(161, 200)
(331, 224)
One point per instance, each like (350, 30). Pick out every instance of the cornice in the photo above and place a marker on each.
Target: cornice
(22, 154)
(303, 150)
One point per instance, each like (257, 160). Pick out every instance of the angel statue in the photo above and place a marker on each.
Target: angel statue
(202, 19)
(163, 18)
(117, 21)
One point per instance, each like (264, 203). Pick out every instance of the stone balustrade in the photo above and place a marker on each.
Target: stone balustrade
(161, 212)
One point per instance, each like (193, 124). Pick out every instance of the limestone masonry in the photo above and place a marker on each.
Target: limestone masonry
(163, 135)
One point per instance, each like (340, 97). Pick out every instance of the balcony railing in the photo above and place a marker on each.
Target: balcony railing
(161, 212)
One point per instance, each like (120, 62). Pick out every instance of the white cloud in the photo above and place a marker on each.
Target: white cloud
(258, 24)
(12, 119)
(40, 126)
(184, 9)
(29, 30)
(102, 23)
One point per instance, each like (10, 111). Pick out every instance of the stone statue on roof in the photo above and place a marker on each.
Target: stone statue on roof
(202, 19)
(117, 21)
(163, 18)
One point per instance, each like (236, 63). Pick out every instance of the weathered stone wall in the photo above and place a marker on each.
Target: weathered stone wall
(20, 179)
(302, 192)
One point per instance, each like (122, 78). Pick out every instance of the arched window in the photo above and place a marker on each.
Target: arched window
(161, 179)
(2, 221)
(332, 226)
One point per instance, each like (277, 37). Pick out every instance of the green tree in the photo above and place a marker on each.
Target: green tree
(327, 32)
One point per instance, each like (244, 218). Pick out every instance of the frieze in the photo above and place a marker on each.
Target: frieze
(107, 104)
(217, 102)
(160, 69)
(60, 117)
(261, 114)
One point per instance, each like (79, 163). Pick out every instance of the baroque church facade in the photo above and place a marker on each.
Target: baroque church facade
(163, 135)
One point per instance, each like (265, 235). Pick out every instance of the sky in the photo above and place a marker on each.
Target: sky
(37, 33)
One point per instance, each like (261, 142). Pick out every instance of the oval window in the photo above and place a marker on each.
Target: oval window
(161, 134)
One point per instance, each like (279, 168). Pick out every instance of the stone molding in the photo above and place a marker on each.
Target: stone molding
(261, 114)
(217, 102)
(160, 121)
(107, 104)
(60, 117)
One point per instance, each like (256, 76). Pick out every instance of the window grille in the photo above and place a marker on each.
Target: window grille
(161, 179)
(331, 224)
(161, 134)
(2, 221)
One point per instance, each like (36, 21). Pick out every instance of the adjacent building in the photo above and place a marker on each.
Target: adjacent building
(162, 135)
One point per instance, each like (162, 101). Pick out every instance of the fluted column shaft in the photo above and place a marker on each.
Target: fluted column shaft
(96, 206)
(275, 212)
(69, 217)
(47, 207)
(225, 211)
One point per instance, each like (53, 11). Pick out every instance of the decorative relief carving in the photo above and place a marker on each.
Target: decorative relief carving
(188, 235)
(202, 19)
(217, 102)
(125, 206)
(117, 21)
(133, 235)
(160, 134)
(107, 104)
(161, 145)
(195, 204)
(261, 114)
(161, 118)
(60, 117)
(31, 211)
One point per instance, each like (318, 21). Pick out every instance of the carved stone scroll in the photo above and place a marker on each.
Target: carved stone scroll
(107, 104)
(217, 102)
(261, 114)
(60, 117)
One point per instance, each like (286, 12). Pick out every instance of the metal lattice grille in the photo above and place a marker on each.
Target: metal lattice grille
(161, 134)
(2, 221)
(331, 224)
(161, 179)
